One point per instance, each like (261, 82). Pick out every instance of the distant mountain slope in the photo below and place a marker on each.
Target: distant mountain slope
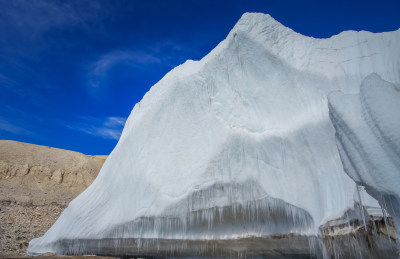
(36, 184)
(61, 173)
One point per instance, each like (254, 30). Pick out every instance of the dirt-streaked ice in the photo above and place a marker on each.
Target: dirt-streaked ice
(235, 146)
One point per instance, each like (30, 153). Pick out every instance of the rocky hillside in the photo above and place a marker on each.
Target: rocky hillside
(36, 184)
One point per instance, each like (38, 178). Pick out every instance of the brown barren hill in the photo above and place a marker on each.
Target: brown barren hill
(36, 184)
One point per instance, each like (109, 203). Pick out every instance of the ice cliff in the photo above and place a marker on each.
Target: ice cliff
(230, 150)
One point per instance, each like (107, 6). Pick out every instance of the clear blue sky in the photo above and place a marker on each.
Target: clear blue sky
(71, 71)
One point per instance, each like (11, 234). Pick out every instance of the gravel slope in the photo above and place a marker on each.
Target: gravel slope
(36, 184)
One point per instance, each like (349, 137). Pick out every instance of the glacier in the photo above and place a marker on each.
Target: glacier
(234, 155)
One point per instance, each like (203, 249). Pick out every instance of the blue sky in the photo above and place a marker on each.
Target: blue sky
(71, 71)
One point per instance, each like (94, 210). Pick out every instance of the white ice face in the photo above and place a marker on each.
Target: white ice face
(221, 144)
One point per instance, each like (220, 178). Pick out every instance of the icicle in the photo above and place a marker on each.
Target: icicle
(359, 187)
(385, 218)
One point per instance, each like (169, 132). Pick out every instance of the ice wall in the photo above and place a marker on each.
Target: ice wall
(368, 138)
(238, 145)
